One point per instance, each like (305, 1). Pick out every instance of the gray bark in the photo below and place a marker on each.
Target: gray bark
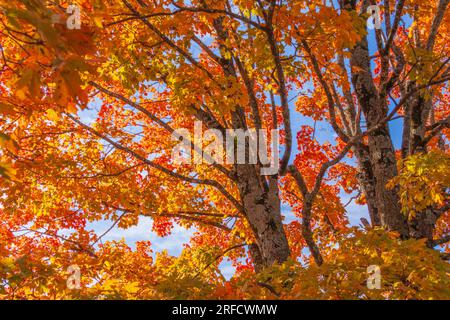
(263, 211)
(381, 150)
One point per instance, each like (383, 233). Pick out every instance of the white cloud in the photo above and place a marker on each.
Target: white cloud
(173, 243)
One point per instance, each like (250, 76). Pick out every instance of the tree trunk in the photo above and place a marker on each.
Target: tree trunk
(263, 211)
(419, 115)
(382, 156)
(422, 224)
(259, 195)
(381, 150)
(367, 180)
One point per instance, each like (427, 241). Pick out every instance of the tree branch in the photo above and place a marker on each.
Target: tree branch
(161, 168)
(164, 125)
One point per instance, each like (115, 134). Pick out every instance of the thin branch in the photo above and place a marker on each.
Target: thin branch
(441, 241)
(397, 18)
(167, 40)
(159, 167)
(220, 256)
(220, 11)
(164, 125)
(110, 228)
(282, 91)
(438, 17)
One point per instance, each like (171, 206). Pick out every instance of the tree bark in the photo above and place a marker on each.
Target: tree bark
(381, 150)
(260, 198)
(367, 180)
(263, 211)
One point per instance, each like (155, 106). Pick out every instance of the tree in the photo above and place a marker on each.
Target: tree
(408, 64)
(89, 115)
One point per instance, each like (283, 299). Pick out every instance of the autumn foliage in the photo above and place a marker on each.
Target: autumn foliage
(86, 122)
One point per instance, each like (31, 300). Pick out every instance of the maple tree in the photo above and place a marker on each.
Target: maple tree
(88, 114)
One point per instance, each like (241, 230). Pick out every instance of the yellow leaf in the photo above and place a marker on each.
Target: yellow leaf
(98, 21)
(7, 171)
(132, 287)
(52, 115)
